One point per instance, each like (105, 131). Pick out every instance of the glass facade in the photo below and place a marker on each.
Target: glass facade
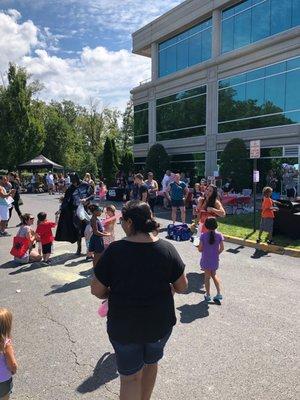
(181, 115)
(253, 20)
(141, 134)
(268, 96)
(192, 164)
(190, 47)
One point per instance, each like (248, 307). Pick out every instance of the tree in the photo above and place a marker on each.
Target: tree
(127, 163)
(235, 164)
(22, 132)
(125, 139)
(157, 161)
(109, 168)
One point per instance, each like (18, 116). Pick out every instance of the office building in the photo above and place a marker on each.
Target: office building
(221, 69)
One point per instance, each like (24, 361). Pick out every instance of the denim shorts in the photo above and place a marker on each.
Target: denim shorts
(132, 357)
(6, 387)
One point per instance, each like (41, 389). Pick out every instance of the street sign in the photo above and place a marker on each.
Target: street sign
(254, 149)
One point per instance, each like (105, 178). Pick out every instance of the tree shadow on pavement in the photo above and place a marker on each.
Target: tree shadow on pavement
(78, 284)
(57, 260)
(104, 372)
(191, 312)
(196, 282)
(236, 250)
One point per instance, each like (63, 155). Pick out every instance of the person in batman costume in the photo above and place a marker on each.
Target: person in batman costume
(70, 228)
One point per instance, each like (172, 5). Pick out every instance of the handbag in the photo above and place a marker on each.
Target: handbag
(20, 246)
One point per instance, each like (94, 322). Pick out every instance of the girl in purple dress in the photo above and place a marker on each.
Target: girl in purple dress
(211, 245)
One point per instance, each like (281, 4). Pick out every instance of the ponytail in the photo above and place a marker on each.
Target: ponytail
(212, 237)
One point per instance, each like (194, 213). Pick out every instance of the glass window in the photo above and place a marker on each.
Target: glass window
(185, 49)
(255, 91)
(170, 60)
(260, 18)
(141, 123)
(296, 13)
(281, 15)
(206, 45)
(181, 115)
(293, 90)
(227, 35)
(242, 29)
(273, 99)
(195, 49)
(250, 21)
(182, 55)
(275, 93)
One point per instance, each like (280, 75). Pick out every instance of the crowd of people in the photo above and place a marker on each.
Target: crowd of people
(138, 298)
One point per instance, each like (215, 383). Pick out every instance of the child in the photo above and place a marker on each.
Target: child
(44, 230)
(267, 215)
(96, 244)
(211, 245)
(109, 225)
(8, 364)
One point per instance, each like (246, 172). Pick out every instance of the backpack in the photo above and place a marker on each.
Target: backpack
(180, 233)
(20, 246)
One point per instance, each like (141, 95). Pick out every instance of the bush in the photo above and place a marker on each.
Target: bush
(157, 161)
(235, 164)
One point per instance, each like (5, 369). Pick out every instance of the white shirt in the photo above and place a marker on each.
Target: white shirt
(165, 182)
(50, 179)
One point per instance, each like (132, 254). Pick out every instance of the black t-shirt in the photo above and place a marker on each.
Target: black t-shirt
(143, 189)
(141, 304)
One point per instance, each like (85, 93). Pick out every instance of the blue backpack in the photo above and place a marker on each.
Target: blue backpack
(180, 233)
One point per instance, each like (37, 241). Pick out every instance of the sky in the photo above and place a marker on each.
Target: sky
(79, 49)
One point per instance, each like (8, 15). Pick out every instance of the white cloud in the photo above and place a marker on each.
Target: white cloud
(100, 74)
(96, 72)
(16, 40)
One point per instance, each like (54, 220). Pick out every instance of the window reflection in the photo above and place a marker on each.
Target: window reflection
(253, 20)
(264, 97)
(192, 164)
(186, 49)
(181, 115)
(141, 124)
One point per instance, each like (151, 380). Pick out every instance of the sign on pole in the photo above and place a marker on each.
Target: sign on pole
(255, 149)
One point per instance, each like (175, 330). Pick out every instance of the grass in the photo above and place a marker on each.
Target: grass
(241, 226)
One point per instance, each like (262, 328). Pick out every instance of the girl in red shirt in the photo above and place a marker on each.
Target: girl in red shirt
(44, 230)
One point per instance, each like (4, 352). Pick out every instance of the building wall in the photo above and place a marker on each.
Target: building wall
(273, 49)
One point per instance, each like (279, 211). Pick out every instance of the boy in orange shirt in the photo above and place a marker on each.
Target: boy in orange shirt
(267, 215)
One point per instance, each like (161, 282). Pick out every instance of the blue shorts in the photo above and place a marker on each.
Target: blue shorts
(132, 357)
(177, 203)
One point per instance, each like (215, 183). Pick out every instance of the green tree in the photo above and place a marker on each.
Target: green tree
(127, 163)
(235, 164)
(125, 139)
(157, 161)
(22, 132)
(109, 168)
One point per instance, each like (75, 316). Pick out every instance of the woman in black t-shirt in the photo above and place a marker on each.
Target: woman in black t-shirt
(139, 274)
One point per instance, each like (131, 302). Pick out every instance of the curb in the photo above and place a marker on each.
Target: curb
(268, 248)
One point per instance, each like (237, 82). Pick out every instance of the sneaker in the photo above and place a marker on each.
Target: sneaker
(218, 298)
(207, 298)
(5, 233)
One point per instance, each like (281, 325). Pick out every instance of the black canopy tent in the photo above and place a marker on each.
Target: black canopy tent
(40, 162)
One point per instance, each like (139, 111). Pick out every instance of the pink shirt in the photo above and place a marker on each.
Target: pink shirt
(5, 373)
